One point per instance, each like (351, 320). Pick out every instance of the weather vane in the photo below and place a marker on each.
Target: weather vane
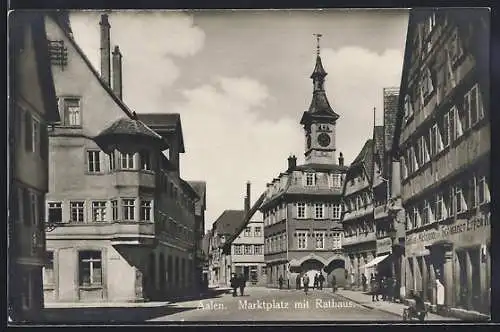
(318, 36)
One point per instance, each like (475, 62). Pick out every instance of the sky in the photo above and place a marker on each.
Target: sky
(240, 81)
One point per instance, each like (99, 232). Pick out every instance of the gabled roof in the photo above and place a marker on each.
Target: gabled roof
(189, 189)
(61, 22)
(379, 149)
(165, 122)
(229, 221)
(364, 160)
(201, 189)
(35, 22)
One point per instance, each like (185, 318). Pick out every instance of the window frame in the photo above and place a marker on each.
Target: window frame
(146, 208)
(50, 206)
(82, 207)
(299, 206)
(319, 235)
(310, 176)
(321, 208)
(302, 235)
(114, 210)
(126, 215)
(99, 206)
(125, 160)
(92, 162)
(91, 261)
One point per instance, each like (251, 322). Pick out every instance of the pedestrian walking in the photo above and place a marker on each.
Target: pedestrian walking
(242, 284)
(363, 282)
(305, 280)
(334, 283)
(297, 282)
(439, 295)
(234, 283)
(280, 282)
(321, 280)
(316, 281)
(374, 287)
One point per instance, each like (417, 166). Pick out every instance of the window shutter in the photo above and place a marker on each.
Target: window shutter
(44, 142)
(425, 146)
(26, 207)
(28, 129)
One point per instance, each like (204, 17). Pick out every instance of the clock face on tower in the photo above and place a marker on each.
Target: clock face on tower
(324, 139)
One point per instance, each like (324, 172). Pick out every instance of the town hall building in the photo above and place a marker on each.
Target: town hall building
(302, 206)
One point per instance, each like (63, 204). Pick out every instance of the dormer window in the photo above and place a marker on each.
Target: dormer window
(310, 179)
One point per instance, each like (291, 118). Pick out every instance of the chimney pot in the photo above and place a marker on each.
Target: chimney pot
(117, 72)
(105, 49)
(292, 163)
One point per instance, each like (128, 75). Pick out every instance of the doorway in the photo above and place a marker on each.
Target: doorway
(246, 272)
(476, 278)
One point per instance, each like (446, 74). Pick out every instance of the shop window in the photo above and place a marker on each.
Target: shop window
(90, 268)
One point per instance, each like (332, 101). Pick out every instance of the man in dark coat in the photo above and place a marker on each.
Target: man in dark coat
(242, 284)
(334, 283)
(280, 282)
(321, 280)
(297, 282)
(234, 283)
(374, 287)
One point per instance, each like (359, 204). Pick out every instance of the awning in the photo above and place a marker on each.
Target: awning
(376, 260)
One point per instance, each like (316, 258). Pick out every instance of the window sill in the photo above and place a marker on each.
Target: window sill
(95, 173)
(50, 287)
(96, 287)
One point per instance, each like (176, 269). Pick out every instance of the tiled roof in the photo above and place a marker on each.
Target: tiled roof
(229, 221)
(364, 151)
(321, 167)
(378, 135)
(127, 126)
(320, 105)
(201, 189)
(191, 190)
(160, 119)
(161, 122)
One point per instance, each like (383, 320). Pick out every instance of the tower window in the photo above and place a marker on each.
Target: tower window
(310, 179)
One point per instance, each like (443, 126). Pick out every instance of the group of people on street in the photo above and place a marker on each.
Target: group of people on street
(238, 281)
(302, 281)
(386, 287)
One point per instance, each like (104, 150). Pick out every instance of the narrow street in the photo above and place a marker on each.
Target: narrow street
(258, 304)
(262, 304)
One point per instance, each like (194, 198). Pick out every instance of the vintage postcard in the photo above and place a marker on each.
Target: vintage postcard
(244, 166)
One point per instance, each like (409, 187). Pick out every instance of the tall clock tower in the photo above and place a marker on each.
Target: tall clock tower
(319, 120)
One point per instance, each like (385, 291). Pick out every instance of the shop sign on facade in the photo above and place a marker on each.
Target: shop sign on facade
(384, 245)
(417, 242)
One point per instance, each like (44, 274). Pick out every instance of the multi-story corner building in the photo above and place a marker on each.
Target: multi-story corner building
(302, 206)
(389, 224)
(32, 108)
(199, 233)
(123, 219)
(359, 242)
(442, 138)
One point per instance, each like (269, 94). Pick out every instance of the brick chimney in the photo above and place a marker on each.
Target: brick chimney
(341, 159)
(292, 163)
(247, 199)
(117, 72)
(105, 50)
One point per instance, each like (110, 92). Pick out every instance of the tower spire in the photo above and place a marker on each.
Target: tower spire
(318, 48)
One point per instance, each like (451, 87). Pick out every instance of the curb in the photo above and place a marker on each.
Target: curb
(370, 307)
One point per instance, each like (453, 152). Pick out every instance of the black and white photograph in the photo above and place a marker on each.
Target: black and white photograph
(244, 166)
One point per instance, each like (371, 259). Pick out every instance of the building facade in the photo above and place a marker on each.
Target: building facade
(122, 218)
(247, 254)
(389, 224)
(302, 206)
(201, 258)
(32, 108)
(360, 240)
(442, 140)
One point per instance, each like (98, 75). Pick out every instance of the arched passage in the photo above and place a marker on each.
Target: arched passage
(311, 267)
(336, 267)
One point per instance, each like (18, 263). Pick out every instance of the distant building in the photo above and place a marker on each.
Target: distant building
(201, 258)
(302, 206)
(442, 140)
(123, 218)
(32, 108)
(223, 228)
